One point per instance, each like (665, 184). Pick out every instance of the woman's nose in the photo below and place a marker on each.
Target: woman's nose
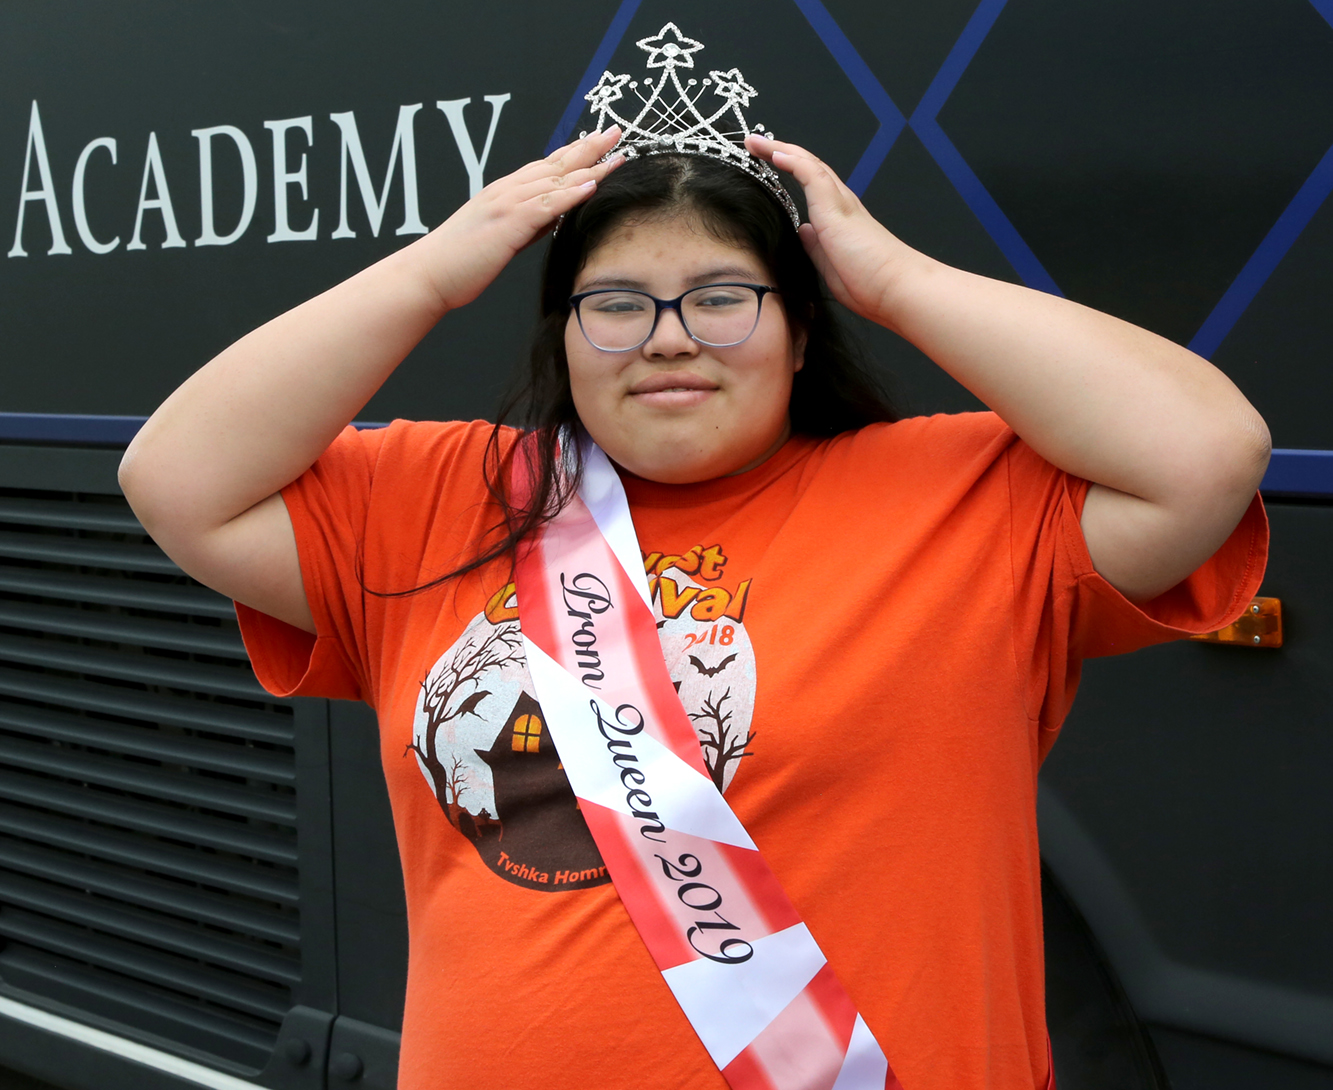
(669, 339)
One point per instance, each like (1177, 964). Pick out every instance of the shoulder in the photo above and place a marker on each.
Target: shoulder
(419, 449)
(431, 438)
(395, 465)
(961, 430)
(921, 447)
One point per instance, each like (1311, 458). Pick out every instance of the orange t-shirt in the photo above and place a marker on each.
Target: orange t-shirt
(877, 637)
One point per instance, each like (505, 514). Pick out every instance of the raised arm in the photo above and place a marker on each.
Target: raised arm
(204, 473)
(1175, 451)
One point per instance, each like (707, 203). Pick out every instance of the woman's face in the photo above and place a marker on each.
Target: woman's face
(674, 410)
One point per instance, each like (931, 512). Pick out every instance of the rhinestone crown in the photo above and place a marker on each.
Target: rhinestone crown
(679, 125)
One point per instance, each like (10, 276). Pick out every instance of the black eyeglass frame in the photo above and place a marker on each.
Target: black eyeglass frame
(672, 304)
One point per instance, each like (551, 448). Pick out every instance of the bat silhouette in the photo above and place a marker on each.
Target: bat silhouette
(714, 670)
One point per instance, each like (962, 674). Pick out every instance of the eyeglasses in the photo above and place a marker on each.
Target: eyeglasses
(716, 315)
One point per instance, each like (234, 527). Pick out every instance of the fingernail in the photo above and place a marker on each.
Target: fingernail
(588, 185)
(616, 159)
(613, 129)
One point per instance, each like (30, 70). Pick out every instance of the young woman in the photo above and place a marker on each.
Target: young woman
(875, 626)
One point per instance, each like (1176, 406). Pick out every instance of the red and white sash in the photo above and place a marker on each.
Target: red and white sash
(733, 950)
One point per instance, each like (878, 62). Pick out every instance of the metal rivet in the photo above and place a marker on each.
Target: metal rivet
(297, 1050)
(346, 1066)
(1254, 609)
(1258, 639)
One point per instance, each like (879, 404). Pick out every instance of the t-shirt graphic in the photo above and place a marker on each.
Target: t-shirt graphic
(480, 738)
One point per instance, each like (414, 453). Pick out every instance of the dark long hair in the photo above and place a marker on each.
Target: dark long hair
(835, 391)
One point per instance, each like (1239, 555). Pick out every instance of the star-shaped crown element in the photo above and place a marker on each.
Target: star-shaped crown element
(731, 85)
(669, 118)
(608, 90)
(669, 48)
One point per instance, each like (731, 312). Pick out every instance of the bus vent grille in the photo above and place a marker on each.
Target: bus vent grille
(148, 867)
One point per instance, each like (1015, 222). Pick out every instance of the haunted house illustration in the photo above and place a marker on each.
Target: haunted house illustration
(542, 829)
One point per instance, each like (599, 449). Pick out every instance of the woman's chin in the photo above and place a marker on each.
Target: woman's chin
(670, 457)
(667, 464)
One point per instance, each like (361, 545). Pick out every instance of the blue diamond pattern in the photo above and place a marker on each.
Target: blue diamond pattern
(1225, 314)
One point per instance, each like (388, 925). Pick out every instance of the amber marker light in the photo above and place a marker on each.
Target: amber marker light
(1259, 626)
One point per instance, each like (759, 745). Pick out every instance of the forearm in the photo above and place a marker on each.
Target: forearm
(1098, 397)
(1173, 449)
(261, 412)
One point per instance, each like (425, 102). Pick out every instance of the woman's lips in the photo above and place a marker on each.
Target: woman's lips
(672, 390)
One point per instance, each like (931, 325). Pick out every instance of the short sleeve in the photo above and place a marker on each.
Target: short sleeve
(328, 505)
(1066, 612)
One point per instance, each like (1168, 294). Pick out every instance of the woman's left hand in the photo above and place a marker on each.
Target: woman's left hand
(859, 258)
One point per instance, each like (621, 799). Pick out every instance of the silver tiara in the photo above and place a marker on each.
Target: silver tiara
(678, 125)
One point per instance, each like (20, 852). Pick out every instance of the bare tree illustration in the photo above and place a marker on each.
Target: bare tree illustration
(721, 747)
(442, 704)
(456, 782)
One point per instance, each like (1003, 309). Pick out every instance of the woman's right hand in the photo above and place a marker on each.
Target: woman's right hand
(464, 254)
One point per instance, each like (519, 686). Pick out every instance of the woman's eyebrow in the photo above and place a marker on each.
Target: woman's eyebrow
(613, 282)
(719, 273)
(722, 271)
